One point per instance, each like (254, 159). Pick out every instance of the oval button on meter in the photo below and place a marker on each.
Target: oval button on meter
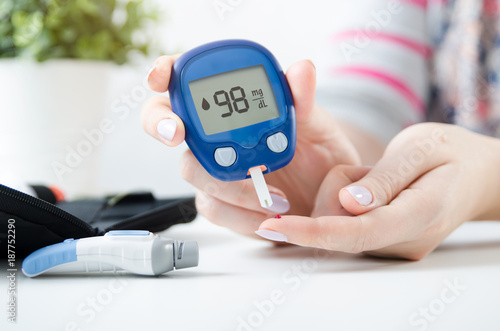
(225, 156)
(277, 142)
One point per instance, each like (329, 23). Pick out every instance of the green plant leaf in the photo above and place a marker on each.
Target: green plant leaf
(27, 26)
(85, 29)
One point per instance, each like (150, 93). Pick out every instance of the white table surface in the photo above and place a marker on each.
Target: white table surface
(339, 292)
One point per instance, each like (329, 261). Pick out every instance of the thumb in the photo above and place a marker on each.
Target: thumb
(327, 200)
(301, 77)
(398, 169)
(315, 124)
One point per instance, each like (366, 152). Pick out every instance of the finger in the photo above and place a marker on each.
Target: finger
(399, 167)
(239, 193)
(160, 122)
(159, 75)
(353, 234)
(327, 200)
(233, 217)
(301, 77)
(407, 218)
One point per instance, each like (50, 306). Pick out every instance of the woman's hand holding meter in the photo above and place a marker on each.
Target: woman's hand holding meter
(321, 145)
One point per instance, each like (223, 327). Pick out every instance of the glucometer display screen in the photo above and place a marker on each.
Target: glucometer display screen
(234, 99)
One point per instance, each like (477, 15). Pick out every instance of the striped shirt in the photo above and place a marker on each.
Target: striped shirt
(398, 62)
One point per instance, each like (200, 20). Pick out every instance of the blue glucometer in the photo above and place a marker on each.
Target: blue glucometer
(237, 108)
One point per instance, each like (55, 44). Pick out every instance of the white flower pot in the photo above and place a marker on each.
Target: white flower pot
(48, 116)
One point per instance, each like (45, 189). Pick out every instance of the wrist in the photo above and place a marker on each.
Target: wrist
(490, 193)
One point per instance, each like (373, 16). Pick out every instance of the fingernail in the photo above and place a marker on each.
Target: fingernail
(312, 63)
(153, 67)
(166, 128)
(280, 204)
(361, 194)
(272, 235)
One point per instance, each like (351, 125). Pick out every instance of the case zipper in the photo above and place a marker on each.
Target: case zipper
(46, 206)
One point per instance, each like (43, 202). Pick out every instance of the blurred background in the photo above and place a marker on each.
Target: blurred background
(72, 81)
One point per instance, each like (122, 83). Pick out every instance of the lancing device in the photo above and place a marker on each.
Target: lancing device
(237, 109)
(138, 252)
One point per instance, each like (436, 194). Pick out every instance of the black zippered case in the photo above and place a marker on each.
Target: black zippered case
(38, 223)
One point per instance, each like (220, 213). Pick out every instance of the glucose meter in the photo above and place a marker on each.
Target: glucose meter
(237, 108)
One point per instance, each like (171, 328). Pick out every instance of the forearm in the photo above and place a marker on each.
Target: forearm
(490, 192)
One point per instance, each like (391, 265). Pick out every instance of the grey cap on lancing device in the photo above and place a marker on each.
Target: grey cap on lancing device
(168, 254)
(186, 254)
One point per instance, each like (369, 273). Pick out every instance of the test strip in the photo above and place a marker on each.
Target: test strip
(261, 187)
